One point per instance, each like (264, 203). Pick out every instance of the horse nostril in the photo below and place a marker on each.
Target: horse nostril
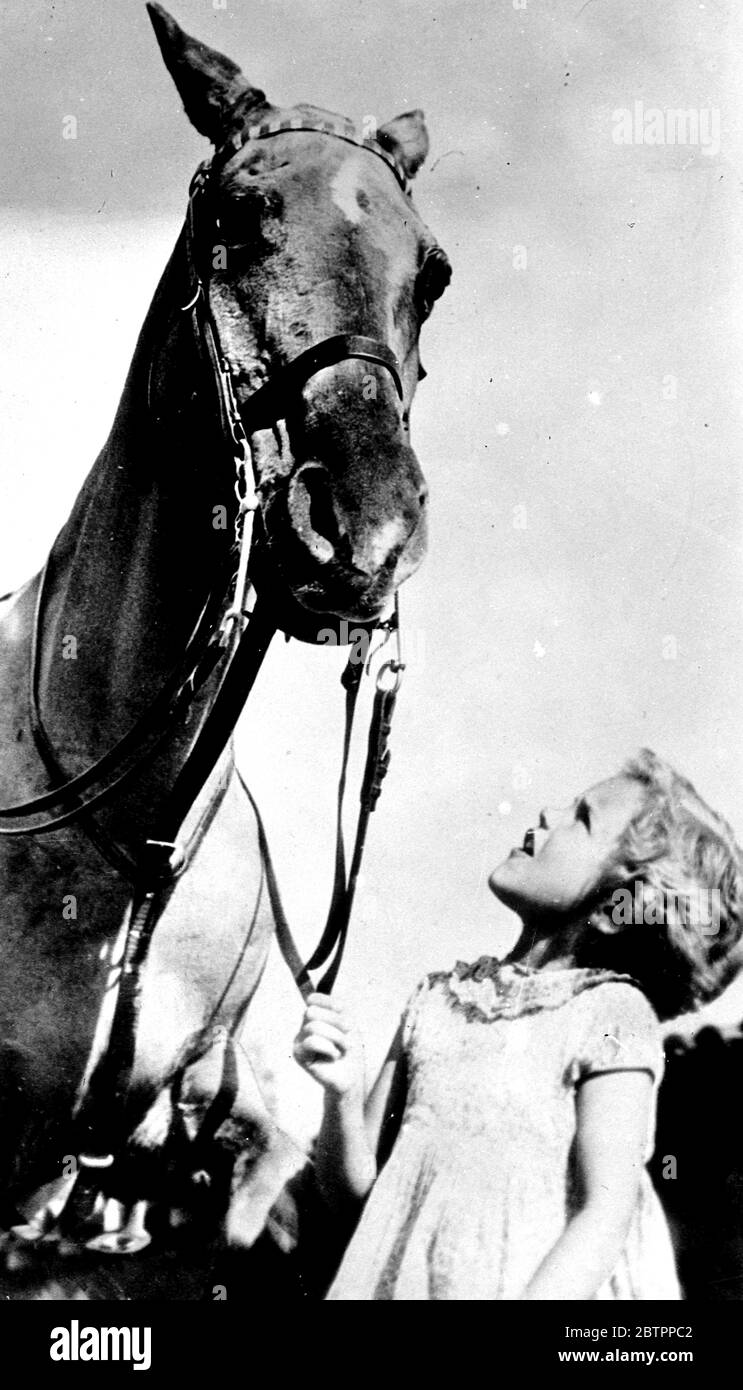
(312, 511)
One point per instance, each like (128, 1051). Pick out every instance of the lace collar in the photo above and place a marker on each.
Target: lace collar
(487, 989)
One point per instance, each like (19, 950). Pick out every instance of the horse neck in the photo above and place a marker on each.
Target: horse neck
(132, 568)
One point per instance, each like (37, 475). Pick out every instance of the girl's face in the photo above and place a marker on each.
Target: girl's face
(563, 861)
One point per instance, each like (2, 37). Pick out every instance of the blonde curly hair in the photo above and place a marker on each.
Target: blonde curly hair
(675, 850)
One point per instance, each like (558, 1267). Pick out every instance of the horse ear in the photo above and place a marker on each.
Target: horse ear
(209, 84)
(406, 138)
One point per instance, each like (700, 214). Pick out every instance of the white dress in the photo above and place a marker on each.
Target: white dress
(481, 1183)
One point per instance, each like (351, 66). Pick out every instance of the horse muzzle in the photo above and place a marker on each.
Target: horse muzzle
(344, 559)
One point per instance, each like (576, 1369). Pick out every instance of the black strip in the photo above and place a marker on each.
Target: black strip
(289, 124)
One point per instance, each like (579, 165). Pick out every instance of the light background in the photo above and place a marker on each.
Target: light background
(538, 655)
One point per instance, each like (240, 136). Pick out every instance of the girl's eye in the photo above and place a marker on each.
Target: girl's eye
(583, 814)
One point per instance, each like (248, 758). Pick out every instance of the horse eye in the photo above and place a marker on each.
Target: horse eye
(244, 217)
(433, 279)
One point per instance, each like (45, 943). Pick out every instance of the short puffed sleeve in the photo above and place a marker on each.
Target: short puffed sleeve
(620, 1032)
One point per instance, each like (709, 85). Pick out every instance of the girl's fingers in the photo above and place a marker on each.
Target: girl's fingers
(326, 1012)
(313, 1039)
(325, 1036)
(319, 1028)
(324, 1001)
(314, 1046)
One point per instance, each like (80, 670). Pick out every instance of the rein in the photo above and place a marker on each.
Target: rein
(333, 938)
(229, 643)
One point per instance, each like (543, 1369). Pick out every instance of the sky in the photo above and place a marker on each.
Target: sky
(580, 426)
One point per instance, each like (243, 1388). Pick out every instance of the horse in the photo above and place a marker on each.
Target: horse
(260, 454)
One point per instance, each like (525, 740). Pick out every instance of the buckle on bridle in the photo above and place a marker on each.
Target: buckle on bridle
(197, 292)
(395, 666)
(395, 669)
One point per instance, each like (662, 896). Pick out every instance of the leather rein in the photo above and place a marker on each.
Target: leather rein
(228, 645)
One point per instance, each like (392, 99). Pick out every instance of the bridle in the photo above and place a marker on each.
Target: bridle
(227, 644)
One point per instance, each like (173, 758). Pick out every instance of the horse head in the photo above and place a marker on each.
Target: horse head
(311, 236)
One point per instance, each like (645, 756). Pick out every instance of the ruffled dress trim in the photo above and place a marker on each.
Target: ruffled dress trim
(487, 989)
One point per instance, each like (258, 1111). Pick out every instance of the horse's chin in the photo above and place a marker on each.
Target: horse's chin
(311, 607)
(310, 598)
(354, 603)
(311, 614)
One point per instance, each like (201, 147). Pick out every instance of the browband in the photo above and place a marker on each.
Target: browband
(339, 126)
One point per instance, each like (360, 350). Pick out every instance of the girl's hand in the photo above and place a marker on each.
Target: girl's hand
(328, 1046)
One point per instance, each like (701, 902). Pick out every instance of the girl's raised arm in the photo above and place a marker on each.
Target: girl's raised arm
(613, 1110)
(355, 1134)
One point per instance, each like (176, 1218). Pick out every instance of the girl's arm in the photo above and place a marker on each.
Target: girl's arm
(613, 1112)
(329, 1047)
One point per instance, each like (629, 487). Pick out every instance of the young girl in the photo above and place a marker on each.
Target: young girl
(501, 1153)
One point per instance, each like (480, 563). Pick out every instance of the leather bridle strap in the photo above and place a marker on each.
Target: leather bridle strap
(264, 406)
(377, 763)
(334, 936)
(98, 782)
(218, 725)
